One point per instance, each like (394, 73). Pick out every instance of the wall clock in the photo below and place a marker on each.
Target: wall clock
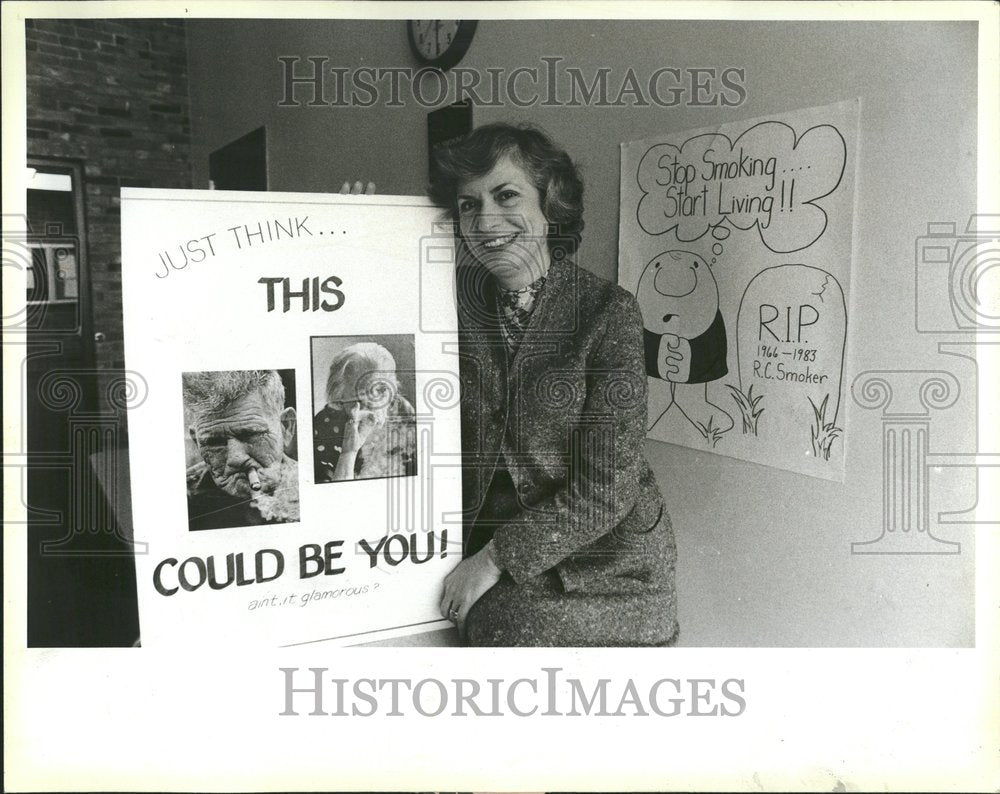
(440, 43)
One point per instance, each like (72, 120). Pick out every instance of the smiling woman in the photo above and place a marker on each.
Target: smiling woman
(567, 539)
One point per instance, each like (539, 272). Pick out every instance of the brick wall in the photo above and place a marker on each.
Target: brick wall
(114, 94)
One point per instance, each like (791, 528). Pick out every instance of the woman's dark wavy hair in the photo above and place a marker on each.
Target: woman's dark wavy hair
(551, 171)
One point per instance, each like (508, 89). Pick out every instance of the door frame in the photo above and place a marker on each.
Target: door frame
(85, 303)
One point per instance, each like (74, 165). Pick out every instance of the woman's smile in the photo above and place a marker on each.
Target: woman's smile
(499, 242)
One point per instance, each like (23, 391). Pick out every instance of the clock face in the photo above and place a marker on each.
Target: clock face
(440, 42)
(434, 36)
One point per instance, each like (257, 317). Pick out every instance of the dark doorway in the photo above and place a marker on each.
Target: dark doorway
(81, 576)
(242, 164)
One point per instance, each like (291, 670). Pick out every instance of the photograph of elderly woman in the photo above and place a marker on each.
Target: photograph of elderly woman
(241, 448)
(364, 424)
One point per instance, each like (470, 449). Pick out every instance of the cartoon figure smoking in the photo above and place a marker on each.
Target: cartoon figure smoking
(685, 338)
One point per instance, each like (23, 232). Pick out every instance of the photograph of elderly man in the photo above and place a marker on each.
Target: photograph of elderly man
(241, 453)
(366, 428)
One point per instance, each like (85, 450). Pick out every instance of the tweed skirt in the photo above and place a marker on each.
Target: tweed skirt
(541, 613)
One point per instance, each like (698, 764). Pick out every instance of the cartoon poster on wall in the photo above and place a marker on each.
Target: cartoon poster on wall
(737, 242)
(295, 456)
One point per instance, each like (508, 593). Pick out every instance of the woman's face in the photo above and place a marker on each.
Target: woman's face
(358, 384)
(501, 220)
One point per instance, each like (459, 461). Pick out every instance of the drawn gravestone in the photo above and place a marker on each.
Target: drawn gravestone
(791, 333)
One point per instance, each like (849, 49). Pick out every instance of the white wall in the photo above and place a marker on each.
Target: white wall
(765, 556)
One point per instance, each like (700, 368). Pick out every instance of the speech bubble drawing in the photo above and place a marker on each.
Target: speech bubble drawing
(767, 178)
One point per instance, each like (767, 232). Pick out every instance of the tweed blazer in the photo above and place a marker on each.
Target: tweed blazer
(567, 416)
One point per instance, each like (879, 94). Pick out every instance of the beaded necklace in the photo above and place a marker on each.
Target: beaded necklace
(516, 306)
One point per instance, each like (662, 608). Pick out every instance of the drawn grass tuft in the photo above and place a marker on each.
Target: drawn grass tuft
(822, 433)
(748, 408)
(710, 432)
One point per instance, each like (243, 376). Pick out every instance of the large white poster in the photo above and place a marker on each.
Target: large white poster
(295, 461)
(737, 242)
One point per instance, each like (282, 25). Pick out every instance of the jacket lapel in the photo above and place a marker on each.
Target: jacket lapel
(554, 314)
(553, 320)
(483, 346)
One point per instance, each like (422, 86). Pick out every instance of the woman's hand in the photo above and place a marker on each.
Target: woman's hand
(466, 584)
(357, 189)
(358, 427)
